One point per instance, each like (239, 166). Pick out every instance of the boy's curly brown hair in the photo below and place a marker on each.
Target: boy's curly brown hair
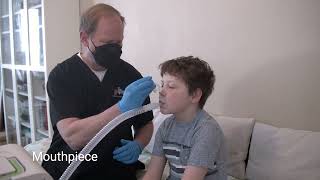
(196, 73)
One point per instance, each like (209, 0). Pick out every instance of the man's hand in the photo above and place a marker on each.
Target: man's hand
(128, 153)
(135, 94)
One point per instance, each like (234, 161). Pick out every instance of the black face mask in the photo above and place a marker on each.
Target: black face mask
(107, 55)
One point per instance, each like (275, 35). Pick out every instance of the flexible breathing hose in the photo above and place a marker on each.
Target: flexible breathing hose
(103, 132)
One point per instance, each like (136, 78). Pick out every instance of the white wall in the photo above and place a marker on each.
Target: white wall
(61, 30)
(265, 53)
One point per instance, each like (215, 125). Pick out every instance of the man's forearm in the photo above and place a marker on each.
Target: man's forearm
(78, 132)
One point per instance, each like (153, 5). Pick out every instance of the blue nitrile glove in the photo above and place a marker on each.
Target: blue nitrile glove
(128, 153)
(136, 93)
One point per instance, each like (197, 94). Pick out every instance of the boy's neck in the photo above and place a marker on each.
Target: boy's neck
(187, 115)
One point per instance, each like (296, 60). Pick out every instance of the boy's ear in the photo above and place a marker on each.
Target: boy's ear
(196, 95)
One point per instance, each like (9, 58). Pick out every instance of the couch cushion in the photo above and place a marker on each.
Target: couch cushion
(283, 154)
(237, 132)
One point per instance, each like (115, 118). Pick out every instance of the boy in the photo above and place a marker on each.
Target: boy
(190, 140)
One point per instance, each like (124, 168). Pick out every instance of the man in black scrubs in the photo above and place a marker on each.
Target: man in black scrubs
(91, 88)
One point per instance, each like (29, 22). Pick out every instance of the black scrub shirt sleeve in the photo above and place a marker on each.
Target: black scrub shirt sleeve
(142, 119)
(65, 98)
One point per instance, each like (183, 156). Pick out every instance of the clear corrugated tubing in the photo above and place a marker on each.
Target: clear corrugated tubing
(103, 132)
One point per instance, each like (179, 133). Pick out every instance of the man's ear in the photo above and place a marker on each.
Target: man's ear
(84, 38)
(196, 95)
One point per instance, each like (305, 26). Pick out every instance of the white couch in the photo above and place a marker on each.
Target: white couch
(257, 151)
